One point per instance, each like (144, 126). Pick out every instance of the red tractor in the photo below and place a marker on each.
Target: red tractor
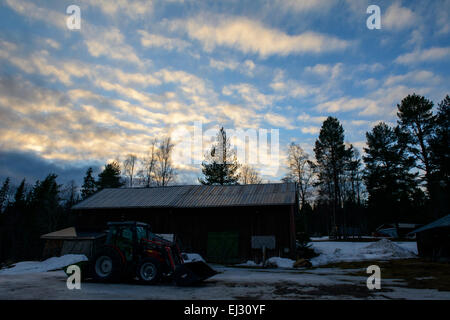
(132, 250)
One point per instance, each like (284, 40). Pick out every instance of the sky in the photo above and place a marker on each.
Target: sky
(136, 70)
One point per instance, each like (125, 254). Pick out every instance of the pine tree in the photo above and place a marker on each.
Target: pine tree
(440, 157)
(89, 186)
(390, 183)
(110, 177)
(331, 155)
(417, 121)
(221, 166)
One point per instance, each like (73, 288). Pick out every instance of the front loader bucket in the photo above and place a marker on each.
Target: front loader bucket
(191, 273)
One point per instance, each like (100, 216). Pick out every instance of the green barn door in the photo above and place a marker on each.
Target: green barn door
(223, 247)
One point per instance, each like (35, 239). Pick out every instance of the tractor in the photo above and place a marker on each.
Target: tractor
(132, 250)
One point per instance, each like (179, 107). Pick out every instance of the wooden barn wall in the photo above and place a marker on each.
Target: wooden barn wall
(193, 225)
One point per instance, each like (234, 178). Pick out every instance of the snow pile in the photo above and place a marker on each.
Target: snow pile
(279, 262)
(386, 249)
(50, 264)
(191, 257)
(333, 251)
(250, 263)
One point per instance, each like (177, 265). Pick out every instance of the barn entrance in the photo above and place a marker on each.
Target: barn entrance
(223, 247)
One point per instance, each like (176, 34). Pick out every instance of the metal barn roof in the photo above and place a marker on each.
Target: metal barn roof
(440, 223)
(193, 196)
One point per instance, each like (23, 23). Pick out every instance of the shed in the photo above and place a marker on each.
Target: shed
(433, 240)
(216, 221)
(68, 240)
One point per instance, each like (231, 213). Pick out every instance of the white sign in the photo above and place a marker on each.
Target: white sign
(258, 242)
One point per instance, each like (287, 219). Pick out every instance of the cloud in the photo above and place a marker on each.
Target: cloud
(32, 11)
(279, 120)
(250, 36)
(310, 130)
(307, 118)
(250, 94)
(149, 40)
(381, 102)
(416, 76)
(19, 165)
(424, 55)
(130, 8)
(247, 67)
(398, 17)
(299, 6)
(291, 88)
(326, 70)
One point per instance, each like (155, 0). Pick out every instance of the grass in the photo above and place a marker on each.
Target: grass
(416, 273)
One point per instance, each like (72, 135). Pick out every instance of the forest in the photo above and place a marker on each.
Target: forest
(402, 176)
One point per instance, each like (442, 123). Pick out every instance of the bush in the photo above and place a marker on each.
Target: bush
(303, 249)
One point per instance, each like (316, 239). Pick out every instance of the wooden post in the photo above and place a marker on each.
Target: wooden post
(264, 254)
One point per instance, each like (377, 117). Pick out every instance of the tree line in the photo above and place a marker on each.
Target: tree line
(403, 176)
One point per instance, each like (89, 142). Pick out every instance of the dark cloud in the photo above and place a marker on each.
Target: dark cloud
(19, 165)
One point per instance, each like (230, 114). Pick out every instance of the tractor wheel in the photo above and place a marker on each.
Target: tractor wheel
(149, 271)
(107, 265)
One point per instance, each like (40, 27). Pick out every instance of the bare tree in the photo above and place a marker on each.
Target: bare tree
(249, 175)
(164, 170)
(129, 165)
(301, 171)
(148, 164)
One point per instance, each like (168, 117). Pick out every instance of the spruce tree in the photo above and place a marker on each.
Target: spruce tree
(221, 166)
(4, 193)
(89, 186)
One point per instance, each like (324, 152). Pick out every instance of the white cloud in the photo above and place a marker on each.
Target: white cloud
(279, 120)
(310, 130)
(250, 94)
(130, 8)
(424, 55)
(154, 40)
(398, 17)
(247, 67)
(298, 6)
(250, 36)
(331, 71)
(307, 118)
(416, 76)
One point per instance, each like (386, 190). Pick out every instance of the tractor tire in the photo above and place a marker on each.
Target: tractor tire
(148, 271)
(107, 265)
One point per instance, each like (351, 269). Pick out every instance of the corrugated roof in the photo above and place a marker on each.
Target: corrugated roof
(194, 196)
(440, 223)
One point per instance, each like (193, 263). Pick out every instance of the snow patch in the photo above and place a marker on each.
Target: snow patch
(280, 262)
(386, 249)
(250, 263)
(50, 264)
(333, 251)
(191, 257)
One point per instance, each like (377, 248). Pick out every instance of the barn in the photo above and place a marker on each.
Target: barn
(225, 224)
(433, 240)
